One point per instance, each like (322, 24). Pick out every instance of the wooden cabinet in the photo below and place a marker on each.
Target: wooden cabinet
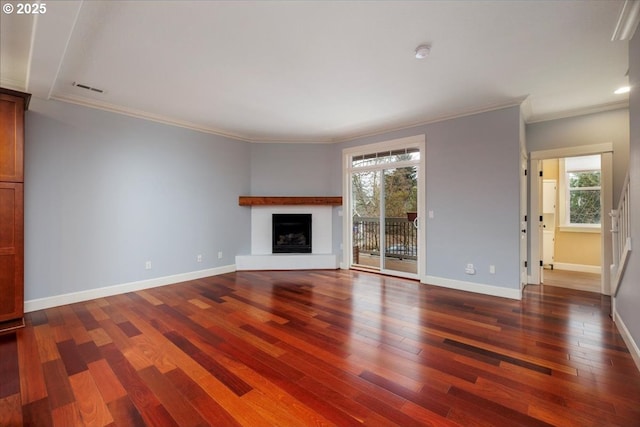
(12, 107)
(11, 251)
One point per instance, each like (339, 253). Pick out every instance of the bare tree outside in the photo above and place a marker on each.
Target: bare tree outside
(400, 199)
(584, 197)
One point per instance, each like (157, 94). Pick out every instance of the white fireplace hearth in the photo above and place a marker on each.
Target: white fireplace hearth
(262, 258)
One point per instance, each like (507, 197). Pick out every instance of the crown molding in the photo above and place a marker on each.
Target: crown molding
(13, 84)
(627, 21)
(271, 140)
(526, 110)
(578, 112)
(85, 102)
(520, 101)
(91, 103)
(442, 118)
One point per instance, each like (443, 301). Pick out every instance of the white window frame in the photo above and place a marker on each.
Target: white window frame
(564, 199)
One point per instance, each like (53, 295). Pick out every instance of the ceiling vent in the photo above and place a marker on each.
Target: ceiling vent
(87, 87)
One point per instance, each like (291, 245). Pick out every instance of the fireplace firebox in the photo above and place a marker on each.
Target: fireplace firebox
(291, 233)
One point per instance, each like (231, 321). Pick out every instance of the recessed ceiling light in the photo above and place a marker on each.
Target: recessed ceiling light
(623, 89)
(423, 51)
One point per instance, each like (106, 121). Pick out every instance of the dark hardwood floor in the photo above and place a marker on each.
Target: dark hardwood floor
(572, 279)
(318, 348)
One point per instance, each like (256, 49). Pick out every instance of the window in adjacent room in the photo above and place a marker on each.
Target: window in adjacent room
(580, 181)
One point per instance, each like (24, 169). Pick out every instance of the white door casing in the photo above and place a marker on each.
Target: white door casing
(523, 220)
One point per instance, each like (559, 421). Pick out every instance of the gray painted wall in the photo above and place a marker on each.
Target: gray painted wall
(297, 170)
(597, 128)
(472, 185)
(106, 192)
(291, 170)
(628, 299)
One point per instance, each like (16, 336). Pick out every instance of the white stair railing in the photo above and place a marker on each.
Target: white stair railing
(621, 237)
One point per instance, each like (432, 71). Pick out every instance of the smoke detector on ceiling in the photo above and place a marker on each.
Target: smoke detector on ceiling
(423, 51)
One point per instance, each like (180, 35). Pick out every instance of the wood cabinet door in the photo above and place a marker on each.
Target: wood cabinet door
(11, 251)
(11, 138)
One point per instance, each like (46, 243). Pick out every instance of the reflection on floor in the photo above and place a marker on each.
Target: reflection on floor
(589, 282)
(572, 280)
(373, 261)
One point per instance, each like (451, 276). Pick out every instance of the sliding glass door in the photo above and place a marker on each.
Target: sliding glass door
(384, 212)
(400, 190)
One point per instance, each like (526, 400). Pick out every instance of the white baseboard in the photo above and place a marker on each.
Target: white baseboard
(628, 339)
(70, 298)
(582, 268)
(478, 288)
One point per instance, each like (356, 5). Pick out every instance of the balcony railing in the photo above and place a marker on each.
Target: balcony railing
(400, 237)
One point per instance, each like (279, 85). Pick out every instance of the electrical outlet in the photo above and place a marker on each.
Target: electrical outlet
(199, 258)
(492, 269)
(147, 265)
(470, 269)
(220, 255)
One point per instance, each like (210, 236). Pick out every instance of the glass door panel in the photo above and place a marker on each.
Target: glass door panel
(400, 231)
(365, 209)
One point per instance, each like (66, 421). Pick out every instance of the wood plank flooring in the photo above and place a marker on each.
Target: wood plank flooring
(572, 279)
(320, 348)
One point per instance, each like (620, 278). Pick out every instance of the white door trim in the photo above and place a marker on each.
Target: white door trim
(524, 232)
(582, 150)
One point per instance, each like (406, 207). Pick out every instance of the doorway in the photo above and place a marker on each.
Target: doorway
(551, 205)
(571, 213)
(384, 188)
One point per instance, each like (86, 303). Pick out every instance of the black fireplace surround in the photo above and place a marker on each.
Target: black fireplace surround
(291, 234)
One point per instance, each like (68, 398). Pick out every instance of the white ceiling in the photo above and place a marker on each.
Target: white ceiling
(318, 71)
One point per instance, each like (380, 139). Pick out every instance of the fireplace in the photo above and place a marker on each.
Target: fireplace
(291, 233)
(262, 256)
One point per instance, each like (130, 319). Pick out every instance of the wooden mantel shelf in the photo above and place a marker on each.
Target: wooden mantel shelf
(288, 200)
